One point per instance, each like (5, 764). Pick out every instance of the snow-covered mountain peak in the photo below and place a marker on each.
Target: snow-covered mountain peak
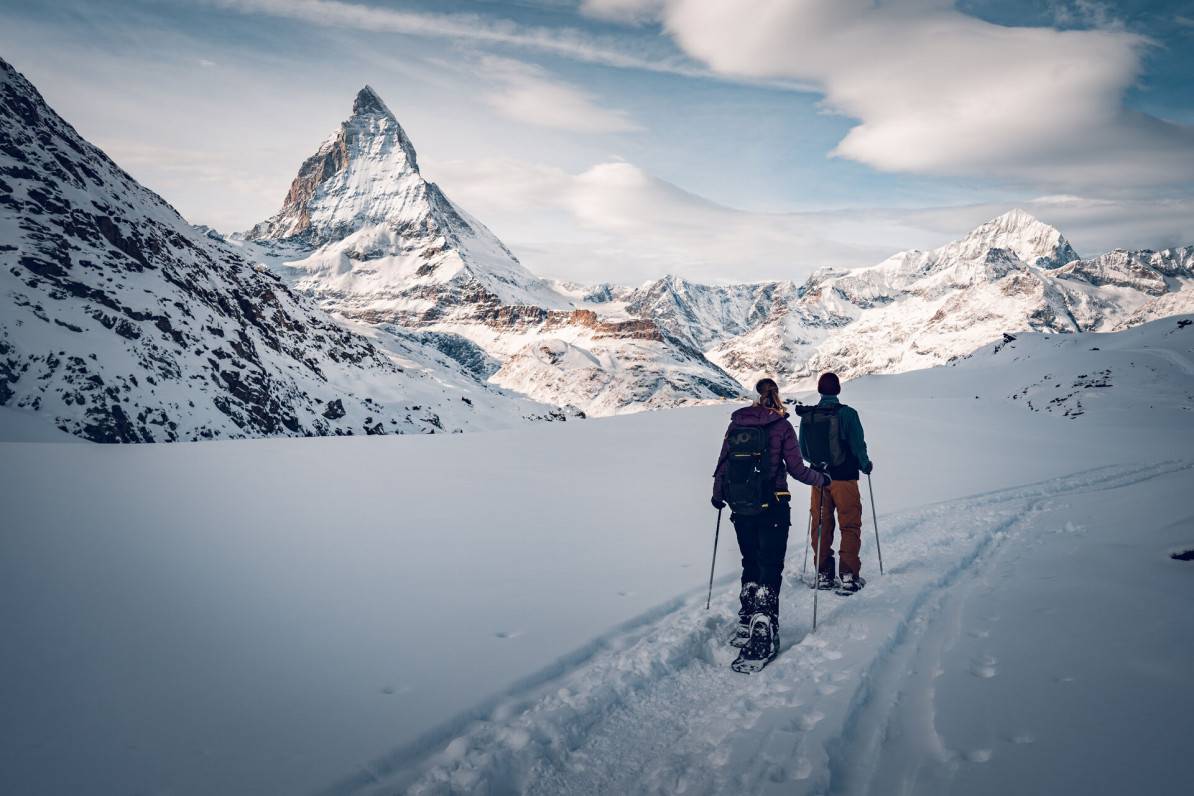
(1019, 232)
(370, 102)
(366, 172)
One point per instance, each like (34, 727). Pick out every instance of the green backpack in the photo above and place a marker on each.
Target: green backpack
(823, 436)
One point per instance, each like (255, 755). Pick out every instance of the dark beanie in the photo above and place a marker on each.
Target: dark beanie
(828, 384)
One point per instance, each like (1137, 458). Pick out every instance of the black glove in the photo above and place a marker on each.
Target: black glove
(867, 468)
(718, 503)
(828, 481)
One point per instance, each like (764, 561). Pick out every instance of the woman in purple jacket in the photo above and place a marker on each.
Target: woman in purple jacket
(763, 538)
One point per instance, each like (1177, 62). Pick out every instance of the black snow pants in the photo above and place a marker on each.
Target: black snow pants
(763, 540)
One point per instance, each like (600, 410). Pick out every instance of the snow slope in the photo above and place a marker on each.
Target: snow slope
(122, 323)
(523, 610)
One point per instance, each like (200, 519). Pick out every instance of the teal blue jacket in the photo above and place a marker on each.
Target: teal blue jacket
(852, 429)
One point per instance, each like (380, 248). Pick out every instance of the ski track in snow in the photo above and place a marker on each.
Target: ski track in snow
(841, 706)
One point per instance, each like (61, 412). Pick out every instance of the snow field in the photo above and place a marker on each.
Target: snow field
(513, 609)
(666, 715)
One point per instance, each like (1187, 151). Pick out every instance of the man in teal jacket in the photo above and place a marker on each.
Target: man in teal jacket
(830, 416)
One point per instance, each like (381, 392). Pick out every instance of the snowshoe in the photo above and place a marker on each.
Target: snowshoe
(741, 635)
(849, 584)
(761, 648)
(824, 582)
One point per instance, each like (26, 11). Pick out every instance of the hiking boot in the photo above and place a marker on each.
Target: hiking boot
(827, 573)
(851, 582)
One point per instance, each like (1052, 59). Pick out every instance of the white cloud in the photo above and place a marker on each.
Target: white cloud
(528, 94)
(615, 222)
(939, 92)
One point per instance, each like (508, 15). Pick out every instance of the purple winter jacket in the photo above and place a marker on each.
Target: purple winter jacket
(783, 450)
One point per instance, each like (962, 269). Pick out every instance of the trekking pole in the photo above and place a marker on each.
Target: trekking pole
(808, 542)
(875, 517)
(817, 557)
(716, 533)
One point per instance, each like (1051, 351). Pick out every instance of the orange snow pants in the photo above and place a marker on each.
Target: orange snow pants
(843, 497)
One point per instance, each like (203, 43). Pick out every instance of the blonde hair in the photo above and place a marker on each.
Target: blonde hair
(769, 398)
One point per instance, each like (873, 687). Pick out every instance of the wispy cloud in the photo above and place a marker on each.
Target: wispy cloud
(567, 42)
(527, 93)
(616, 222)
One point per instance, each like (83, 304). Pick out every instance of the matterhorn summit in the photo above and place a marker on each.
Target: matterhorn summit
(371, 231)
(364, 173)
(364, 232)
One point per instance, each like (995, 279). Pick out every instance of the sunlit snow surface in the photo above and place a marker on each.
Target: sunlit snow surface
(524, 610)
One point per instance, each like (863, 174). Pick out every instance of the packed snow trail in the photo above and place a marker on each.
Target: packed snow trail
(659, 711)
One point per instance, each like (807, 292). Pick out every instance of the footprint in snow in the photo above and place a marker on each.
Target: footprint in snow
(507, 634)
(984, 667)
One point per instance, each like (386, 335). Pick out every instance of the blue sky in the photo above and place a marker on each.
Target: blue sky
(621, 139)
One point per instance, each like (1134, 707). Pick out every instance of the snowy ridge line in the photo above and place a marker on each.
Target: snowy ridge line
(526, 745)
(853, 759)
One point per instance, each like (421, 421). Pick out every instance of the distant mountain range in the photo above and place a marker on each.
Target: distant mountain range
(370, 303)
(370, 239)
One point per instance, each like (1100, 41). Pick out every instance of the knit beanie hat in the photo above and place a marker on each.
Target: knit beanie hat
(828, 384)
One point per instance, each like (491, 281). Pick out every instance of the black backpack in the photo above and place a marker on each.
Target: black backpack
(748, 487)
(823, 436)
